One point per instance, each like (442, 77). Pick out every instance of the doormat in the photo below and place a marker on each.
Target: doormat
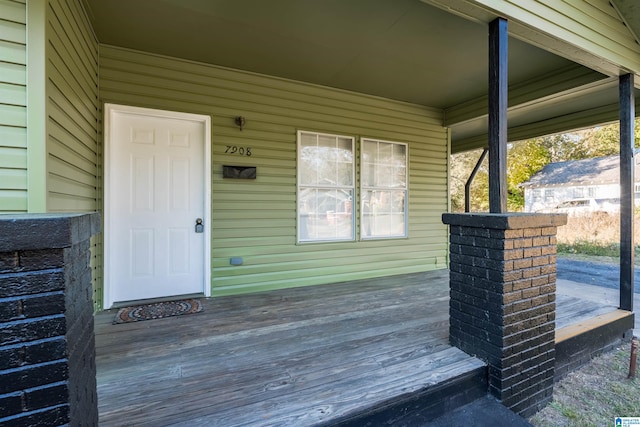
(157, 310)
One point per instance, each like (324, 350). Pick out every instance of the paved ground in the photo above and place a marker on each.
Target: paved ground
(485, 412)
(593, 273)
(595, 281)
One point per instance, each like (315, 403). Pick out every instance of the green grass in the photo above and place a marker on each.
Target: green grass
(594, 394)
(592, 249)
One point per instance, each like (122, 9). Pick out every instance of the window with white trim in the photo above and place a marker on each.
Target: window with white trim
(549, 195)
(383, 179)
(578, 192)
(326, 187)
(536, 195)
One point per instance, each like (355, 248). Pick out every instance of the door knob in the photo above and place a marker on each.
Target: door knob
(199, 226)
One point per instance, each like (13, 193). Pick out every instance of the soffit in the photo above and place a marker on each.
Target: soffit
(405, 50)
(629, 10)
(398, 49)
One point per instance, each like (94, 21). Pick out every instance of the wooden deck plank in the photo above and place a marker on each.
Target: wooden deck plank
(571, 310)
(588, 324)
(291, 357)
(248, 357)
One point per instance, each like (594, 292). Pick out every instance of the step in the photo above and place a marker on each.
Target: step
(418, 407)
(483, 412)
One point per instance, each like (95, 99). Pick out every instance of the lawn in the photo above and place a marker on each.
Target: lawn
(594, 395)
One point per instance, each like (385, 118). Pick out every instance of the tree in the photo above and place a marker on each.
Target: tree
(461, 166)
(525, 158)
(602, 141)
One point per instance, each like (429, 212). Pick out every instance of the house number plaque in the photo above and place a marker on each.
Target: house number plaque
(241, 151)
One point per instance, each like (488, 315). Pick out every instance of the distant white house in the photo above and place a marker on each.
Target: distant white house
(589, 184)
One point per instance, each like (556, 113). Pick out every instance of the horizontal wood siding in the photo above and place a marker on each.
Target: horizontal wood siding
(256, 219)
(13, 106)
(591, 25)
(72, 127)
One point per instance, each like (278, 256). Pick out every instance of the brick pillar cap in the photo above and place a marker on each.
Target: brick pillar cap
(22, 232)
(505, 221)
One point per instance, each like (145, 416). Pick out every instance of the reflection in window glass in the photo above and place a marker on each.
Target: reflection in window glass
(325, 187)
(384, 189)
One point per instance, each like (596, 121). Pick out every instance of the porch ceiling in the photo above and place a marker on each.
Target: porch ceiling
(399, 49)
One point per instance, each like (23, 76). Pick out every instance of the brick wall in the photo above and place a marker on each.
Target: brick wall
(502, 305)
(47, 349)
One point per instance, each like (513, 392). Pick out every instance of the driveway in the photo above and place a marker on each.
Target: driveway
(595, 281)
(593, 273)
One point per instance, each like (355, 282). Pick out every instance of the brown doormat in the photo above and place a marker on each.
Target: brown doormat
(157, 310)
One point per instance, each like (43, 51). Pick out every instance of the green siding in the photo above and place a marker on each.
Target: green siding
(72, 121)
(590, 26)
(256, 219)
(72, 108)
(13, 106)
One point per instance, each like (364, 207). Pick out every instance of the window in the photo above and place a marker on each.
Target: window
(549, 195)
(578, 192)
(327, 197)
(326, 187)
(383, 189)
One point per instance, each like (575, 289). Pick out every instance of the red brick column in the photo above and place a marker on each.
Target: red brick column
(502, 306)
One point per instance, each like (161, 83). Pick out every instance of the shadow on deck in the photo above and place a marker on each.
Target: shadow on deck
(322, 355)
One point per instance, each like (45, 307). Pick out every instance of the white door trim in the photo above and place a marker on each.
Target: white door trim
(109, 110)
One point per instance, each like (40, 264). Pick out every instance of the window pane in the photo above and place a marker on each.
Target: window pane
(325, 215)
(325, 188)
(327, 161)
(384, 176)
(399, 179)
(345, 144)
(384, 189)
(308, 139)
(383, 214)
(367, 174)
(326, 141)
(345, 174)
(369, 151)
(385, 152)
(400, 154)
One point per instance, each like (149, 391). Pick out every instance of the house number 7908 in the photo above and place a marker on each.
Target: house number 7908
(242, 151)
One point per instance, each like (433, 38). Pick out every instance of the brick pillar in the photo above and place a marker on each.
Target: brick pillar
(502, 306)
(47, 348)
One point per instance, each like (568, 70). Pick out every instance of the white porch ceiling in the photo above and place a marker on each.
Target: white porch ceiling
(399, 49)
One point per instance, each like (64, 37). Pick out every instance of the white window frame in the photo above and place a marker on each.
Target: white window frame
(364, 188)
(300, 187)
(536, 194)
(549, 195)
(578, 192)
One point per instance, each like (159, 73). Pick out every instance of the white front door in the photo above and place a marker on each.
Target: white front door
(155, 195)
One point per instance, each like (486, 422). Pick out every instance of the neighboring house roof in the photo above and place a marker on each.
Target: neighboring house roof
(599, 170)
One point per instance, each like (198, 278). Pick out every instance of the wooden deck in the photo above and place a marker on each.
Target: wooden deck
(297, 357)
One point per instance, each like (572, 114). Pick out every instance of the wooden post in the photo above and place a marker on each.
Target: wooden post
(627, 165)
(498, 60)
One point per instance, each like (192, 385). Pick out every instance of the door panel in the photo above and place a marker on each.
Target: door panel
(157, 192)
